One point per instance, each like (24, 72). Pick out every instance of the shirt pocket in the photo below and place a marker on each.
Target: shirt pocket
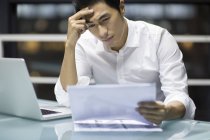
(144, 72)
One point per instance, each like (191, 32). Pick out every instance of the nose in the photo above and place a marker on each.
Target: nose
(103, 32)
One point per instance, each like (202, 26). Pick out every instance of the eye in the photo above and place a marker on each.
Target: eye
(105, 19)
(90, 25)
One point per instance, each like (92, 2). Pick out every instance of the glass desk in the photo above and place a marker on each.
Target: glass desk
(14, 128)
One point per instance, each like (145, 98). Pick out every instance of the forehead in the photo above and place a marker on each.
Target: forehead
(100, 9)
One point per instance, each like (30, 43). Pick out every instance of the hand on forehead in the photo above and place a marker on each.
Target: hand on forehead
(89, 15)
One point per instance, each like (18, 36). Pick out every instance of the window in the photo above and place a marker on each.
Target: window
(44, 58)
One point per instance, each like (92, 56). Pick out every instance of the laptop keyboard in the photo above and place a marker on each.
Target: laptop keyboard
(46, 112)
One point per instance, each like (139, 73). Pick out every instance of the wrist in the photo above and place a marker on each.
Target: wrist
(175, 110)
(167, 110)
(70, 43)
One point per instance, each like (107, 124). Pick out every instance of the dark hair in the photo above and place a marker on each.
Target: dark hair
(80, 4)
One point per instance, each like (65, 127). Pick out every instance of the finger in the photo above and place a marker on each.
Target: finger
(81, 14)
(153, 118)
(151, 104)
(154, 121)
(80, 27)
(160, 112)
(77, 23)
(72, 23)
(81, 21)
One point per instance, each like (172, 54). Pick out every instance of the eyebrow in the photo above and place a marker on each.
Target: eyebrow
(103, 15)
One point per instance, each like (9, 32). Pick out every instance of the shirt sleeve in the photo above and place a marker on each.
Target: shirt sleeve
(62, 96)
(83, 74)
(173, 75)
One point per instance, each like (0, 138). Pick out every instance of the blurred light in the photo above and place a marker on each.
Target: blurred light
(187, 45)
(165, 24)
(41, 25)
(47, 11)
(65, 10)
(180, 11)
(154, 11)
(158, 11)
(26, 10)
(63, 25)
(30, 47)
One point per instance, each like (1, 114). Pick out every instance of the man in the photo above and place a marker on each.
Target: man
(103, 45)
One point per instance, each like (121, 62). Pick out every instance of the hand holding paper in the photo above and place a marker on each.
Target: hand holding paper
(153, 111)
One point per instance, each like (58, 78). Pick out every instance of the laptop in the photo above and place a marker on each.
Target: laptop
(18, 97)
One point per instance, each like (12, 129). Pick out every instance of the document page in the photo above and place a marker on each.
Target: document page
(110, 107)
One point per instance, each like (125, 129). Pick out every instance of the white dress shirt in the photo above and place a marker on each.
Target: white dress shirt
(150, 55)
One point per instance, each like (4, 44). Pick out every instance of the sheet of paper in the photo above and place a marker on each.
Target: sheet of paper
(115, 103)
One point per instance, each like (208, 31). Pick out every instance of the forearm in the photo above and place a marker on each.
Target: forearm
(76, 26)
(68, 74)
(175, 110)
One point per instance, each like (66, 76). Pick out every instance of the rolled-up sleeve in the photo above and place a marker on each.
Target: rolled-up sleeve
(62, 96)
(84, 75)
(173, 75)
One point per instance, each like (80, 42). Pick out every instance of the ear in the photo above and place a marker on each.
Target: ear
(122, 7)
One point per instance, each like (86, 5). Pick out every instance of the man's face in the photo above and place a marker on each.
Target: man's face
(108, 25)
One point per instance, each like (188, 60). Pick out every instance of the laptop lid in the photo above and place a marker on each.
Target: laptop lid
(17, 95)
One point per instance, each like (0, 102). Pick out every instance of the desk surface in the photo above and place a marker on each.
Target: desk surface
(25, 129)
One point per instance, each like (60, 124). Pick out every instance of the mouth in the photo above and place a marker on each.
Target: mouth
(107, 39)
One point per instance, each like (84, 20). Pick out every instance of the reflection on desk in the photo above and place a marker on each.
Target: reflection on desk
(14, 128)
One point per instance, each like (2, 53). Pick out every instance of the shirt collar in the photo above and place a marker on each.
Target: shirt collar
(133, 37)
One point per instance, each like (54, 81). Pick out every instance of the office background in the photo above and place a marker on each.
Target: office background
(189, 20)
